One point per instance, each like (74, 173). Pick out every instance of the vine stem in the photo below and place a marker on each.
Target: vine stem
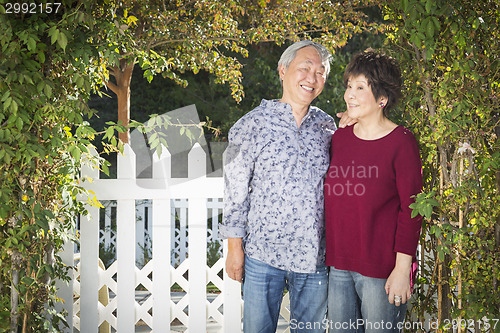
(14, 294)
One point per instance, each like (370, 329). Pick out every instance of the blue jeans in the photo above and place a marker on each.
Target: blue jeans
(263, 288)
(359, 304)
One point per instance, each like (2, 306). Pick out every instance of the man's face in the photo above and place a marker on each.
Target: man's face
(304, 78)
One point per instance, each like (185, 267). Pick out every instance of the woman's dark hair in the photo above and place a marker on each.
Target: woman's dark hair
(381, 71)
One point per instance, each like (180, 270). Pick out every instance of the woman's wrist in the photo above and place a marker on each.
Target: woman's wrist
(403, 262)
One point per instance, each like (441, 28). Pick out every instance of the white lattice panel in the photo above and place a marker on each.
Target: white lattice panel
(213, 307)
(141, 278)
(106, 312)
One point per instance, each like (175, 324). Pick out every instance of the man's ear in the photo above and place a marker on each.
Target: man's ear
(282, 71)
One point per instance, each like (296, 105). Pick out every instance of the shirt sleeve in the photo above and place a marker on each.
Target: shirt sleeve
(408, 167)
(238, 172)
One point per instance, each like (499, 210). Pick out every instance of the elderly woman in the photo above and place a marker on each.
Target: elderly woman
(374, 173)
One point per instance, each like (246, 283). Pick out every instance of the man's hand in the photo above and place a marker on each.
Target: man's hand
(235, 261)
(345, 120)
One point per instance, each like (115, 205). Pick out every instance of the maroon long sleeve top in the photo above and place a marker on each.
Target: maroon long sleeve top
(368, 191)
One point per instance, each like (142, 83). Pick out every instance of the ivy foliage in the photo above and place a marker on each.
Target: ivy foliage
(449, 51)
(175, 37)
(44, 86)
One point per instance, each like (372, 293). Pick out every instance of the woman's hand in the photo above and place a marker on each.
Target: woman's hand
(398, 284)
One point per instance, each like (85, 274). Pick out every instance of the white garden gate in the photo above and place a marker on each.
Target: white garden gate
(145, 295)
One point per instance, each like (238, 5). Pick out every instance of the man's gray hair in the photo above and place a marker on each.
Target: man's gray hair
(290, 53)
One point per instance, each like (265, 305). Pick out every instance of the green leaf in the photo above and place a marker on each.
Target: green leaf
(437, 25)
(428, 6)
(5, 96)
(47, 89)
(105, 169)
(428, 211)
(27, 280)
(405, 5)
(441, 254)
(40, 86)
(430, 28)
(19, 123)
(13, 107)
(62, 40)
(54, 35)
(7, 103)
(31, 44)
(43, 223)
(41, 57)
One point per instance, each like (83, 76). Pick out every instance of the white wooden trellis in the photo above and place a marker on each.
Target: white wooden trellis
(193, 308)
(144, 229)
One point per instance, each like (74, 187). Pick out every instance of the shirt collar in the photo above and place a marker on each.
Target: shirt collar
(285, 108)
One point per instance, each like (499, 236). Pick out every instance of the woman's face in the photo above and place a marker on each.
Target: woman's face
(359, 98)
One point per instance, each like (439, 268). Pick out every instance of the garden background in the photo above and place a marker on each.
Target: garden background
(84, 73)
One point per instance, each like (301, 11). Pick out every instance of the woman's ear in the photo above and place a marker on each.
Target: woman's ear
(383, 100)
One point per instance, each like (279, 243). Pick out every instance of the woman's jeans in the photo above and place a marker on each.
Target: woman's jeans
(359, 304)
(263, 288)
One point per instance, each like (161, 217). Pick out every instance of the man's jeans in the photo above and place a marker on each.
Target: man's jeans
(359, 304)
(263, 288)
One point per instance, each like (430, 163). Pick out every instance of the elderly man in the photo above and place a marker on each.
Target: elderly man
(274, 167)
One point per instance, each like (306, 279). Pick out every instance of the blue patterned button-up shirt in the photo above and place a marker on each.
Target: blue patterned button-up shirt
(273, 185)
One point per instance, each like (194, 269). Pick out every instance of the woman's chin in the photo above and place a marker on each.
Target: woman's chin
(352, 114)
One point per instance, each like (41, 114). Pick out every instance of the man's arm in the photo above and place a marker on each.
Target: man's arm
(235, 261)
(238, 170)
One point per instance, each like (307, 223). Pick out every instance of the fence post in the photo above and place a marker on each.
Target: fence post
(125, 254)
(161, 246)
(197, 219)
(232, 301)
(64, 291)
(89, 283)
(89, 250)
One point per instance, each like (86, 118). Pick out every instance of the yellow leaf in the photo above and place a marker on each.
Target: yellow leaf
(131, 19)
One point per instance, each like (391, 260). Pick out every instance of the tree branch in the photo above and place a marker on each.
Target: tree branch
(431, 106)
(112, 86)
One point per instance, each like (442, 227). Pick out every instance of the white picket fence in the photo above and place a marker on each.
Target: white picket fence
(144, 296)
